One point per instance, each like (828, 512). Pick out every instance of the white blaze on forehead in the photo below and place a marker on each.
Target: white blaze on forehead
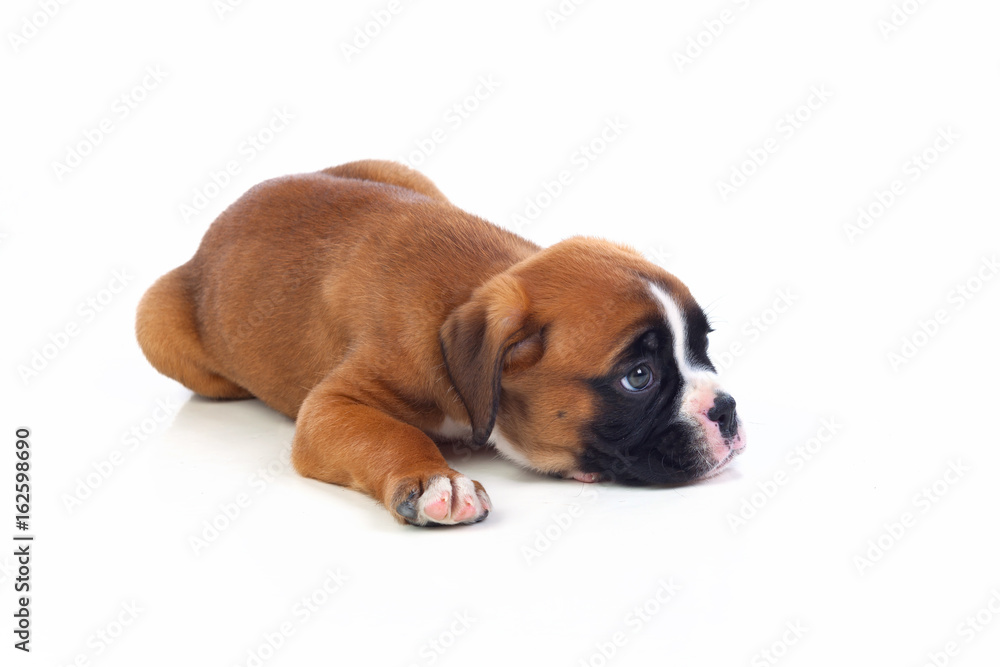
(678, 327)
(700, 388)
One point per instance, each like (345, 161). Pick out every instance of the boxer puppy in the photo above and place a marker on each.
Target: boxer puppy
(361, 303)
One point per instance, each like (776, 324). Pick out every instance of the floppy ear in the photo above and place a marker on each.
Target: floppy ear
(490, 333)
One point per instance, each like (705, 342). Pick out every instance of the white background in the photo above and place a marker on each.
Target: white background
(825, 551)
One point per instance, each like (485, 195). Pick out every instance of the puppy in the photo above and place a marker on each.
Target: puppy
(360, 302)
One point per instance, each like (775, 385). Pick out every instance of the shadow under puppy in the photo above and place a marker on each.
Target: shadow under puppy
(360, 302)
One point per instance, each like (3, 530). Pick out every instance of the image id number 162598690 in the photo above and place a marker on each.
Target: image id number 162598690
(22, 541)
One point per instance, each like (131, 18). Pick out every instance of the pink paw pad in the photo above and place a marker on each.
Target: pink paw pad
(439, 508)
(464, 512)
(451, 501)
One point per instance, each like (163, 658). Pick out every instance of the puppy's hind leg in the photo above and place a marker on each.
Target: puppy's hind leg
(391, 173)
(168, 335)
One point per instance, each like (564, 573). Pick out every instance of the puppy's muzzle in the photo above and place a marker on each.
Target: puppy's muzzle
(730, 439)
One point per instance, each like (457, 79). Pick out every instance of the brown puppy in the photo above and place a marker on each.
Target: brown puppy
(360, 302)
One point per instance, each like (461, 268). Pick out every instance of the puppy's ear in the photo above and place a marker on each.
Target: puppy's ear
(490, 334)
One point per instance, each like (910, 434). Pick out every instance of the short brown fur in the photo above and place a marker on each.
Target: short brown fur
(360, 302)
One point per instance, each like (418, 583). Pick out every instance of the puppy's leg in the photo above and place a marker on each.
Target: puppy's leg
(343, 441)
(168, 335)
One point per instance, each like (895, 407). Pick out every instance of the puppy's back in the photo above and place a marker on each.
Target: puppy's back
(302, 269)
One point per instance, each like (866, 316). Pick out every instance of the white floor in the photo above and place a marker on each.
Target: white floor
(860, 526)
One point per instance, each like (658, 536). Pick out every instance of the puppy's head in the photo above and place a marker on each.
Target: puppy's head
(588, 361)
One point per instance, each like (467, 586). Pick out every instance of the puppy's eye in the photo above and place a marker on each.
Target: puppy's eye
(638, 378)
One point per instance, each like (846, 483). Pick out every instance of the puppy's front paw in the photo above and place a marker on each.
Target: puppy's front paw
(441, 500)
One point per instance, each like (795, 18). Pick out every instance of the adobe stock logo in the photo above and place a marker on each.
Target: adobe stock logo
(640, 616)
(753, 329)
(231, 510)
(779, 648)
(223, 8)
(453, 118)
(900, 15)
(250, 147)
(582, 158)
(307, 607)
(561, 522)
(124, 105)
(33, 23)
(712, 29)
(108, 634)
(966, 632)
(922, 502)
(754, 502)
(435, 647)
(786, 127)
(365, 34)
(42, 357)
(164, 410)
(915, 166)
(562, 12)
(958, 298)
